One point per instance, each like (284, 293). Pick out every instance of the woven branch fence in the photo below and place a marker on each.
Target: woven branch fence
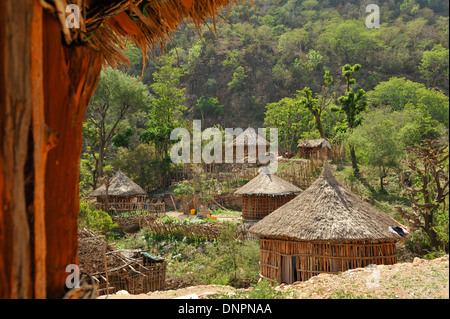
(200, 231)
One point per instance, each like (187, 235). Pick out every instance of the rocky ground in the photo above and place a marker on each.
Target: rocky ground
(420, 279)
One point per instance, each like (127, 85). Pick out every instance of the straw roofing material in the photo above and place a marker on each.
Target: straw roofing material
(108, 25)
(314, 143)
(326, 211)
(267, 184)
(120, 185)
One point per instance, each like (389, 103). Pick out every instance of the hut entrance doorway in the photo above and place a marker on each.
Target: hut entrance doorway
(288, 269)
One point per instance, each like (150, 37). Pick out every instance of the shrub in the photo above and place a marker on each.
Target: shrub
(261, 290)
(95, 219)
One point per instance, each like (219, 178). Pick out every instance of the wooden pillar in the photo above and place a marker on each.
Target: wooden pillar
(16, 109)
(71, 76)
(45, 88)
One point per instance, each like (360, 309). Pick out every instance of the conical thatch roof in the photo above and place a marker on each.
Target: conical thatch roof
(327, 211)
(267, 184)
(120, 185)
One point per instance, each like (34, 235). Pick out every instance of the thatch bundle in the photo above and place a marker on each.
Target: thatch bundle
(109, 25)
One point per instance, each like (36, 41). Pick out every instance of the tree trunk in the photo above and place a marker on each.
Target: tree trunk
(72, 74)
(16, 112)
(319, 125)
(101, 155)
(44, 90)
(354, 163)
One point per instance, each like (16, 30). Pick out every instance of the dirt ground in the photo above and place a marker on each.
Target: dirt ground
(420, 279)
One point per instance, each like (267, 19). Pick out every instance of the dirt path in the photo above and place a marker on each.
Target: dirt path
(420, 279)
(201, 291)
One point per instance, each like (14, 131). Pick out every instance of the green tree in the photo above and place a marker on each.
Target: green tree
(378, 141)
(399, 92)
(166, 109)
(434, 67)
(429, 191)
(238, 78)
(290, 120)
(317, 105)
(351, 104)
(116, 96)
(208, 106)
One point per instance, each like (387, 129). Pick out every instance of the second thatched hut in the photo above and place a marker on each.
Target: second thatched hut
(325, 229)
(121, 195)
(264, 194)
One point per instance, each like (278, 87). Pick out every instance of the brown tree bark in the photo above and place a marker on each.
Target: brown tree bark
(72, 74)
(16, 109)
(44, 91)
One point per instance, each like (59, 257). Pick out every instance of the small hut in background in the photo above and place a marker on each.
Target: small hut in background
(319, 148)
(264, 194)
(325, 229)
(123, 195)
(250, 142)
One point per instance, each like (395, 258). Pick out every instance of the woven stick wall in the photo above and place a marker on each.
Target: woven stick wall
(134, 278)
(256, 207)
(316, 257)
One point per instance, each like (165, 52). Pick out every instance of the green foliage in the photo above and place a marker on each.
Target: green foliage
(209, 106)
(351, 103)
(184, 189)
(227, 261)
(262, 290)
(95, 219)
(434, 66)
(141, 164)
(290, 120)
(167, 107)
(238, 78)
(123, 139)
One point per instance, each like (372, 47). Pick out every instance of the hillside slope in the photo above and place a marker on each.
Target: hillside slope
(420, 279)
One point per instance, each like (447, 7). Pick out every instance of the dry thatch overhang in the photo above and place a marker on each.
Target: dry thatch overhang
(120, 185)
(327, 211)
(108, 25)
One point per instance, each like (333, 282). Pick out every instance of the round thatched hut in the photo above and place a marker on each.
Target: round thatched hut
(325, 229)
(264, 194)
(123, 194)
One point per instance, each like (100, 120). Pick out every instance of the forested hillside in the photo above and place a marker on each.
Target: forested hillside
(311, 69)
(252, 68)
(265, 51)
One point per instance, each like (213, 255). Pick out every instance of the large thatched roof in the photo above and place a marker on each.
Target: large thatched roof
(327, 211)
(268, 184)
(120, 185)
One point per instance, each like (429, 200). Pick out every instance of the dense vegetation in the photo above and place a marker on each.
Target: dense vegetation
(310, 68)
